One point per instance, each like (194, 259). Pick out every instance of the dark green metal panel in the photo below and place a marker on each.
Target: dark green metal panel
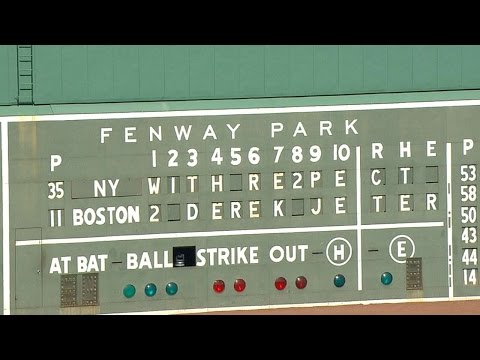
(98, 73)
(375, 68)
(47, 76)
(251, 64)
(126, 72)
(470, 66)
(350, 68)
(277, 70)
(301, 70)
(425, 67)
(450, 67)
(399, 68)
(226, 71)
(325, 69)
(151, 72)
(8, 75)
(177, 72)
(202, 72)
(74, 82)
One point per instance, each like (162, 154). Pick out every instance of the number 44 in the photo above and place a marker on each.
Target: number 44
(469, 257)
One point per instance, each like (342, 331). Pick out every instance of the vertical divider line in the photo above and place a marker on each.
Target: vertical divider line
(449, 219)
(5, 220)
(359, 217)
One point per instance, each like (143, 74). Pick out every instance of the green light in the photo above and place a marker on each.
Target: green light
(386, 278)
(129, 291)
(339, 280)
(171, 288)
(150, 289)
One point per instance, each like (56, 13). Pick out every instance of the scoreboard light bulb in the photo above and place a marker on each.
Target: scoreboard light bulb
(281, 283)
(129, 291)
(171, 288)
(150, 289)
(301, 282)
(218, 286)
(339, 280)
(386, 278)
(239, 285)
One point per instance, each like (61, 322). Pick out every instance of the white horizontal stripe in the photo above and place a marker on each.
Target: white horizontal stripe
(246, 111)
(223, 233)
(291, 306)
(402, 225)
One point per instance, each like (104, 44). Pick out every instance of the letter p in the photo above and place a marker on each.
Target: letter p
(55, 160)
(467, 145)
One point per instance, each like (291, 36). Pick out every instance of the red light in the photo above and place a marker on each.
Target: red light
(239, 285)
(218, 286)
(281, 283)
(301, 282)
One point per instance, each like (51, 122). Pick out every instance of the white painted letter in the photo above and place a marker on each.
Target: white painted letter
(314, 177)
(377, 150)
(405, 149)
(158, 134)
(192, 211)
(467, 145)
(299, 129)
(375, 182)
(233, 130)
(350, 126)
(254, 208)
(129, 134)
(217, 183)
(339, 178)
(209, 132)
(217, 210)
(253, 182)
(55, 160)
(325, 126)
(104, 134)
(276, 127)
(340, 205)
(430, 148)
(431, 202)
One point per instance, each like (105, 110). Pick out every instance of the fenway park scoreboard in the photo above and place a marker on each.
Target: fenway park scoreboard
(200, 210)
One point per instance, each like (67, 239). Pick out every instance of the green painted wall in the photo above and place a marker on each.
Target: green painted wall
(8, 75)
(98, 73)
(65, 74)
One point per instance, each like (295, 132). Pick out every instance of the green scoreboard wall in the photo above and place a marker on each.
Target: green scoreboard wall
(111, 183)
(54, 74)
(8, 75)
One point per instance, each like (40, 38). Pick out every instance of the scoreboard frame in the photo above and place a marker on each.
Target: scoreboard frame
(328, 128)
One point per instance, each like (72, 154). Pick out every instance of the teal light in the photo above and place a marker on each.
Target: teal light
(129, 291)
(386, 278)
(339, 280)
(150, 289)
(171, 288)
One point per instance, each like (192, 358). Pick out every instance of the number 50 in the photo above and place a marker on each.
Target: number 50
(469, 214)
